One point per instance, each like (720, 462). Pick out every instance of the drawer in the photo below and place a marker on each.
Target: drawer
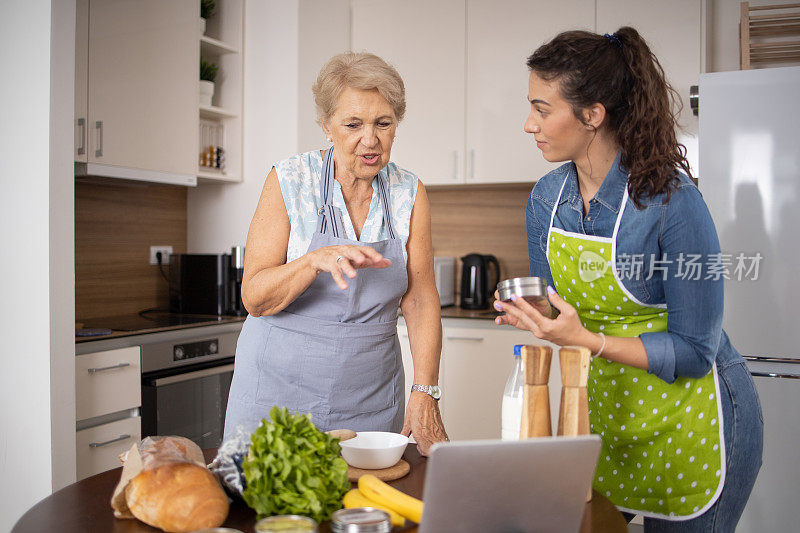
(98, 448)
(107, 382)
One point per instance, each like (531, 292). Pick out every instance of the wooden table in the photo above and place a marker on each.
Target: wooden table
(84, 507)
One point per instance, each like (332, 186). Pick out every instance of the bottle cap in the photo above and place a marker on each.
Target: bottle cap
(518, 350)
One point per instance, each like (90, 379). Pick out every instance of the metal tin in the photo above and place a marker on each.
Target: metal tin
(361, 520)
(218, 530)
(533, 289)
(286, 523)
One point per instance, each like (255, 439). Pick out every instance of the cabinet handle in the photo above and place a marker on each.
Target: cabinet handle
(474, 339)
(82, 126)
(99, 126)
(121, 365)
(472, 162)
(455, 164)
(98, 444)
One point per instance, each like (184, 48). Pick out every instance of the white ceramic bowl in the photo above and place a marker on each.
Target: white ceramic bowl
(373, 450)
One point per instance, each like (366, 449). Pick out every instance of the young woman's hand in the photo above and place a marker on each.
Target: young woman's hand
(564, 330)
(343, 261)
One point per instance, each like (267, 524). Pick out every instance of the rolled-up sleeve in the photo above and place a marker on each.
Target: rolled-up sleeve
(537, 217)
(694, 300)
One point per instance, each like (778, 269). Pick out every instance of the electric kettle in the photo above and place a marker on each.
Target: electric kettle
(475, 287)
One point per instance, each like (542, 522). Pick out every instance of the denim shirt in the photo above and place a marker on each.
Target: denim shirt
(664, 234)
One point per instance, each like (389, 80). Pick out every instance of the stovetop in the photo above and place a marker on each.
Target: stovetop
(160, 319)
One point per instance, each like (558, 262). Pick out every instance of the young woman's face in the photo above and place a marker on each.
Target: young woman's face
(362, 128)
(557, 131)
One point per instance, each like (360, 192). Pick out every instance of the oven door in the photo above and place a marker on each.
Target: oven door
(189, 404)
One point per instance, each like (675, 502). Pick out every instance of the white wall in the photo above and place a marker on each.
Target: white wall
(219, 215)
(37, 319)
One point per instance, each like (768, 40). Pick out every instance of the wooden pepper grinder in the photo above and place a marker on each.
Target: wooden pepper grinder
(573, 415)
(536, 398)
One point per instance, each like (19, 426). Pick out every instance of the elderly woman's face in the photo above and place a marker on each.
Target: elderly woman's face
(362, 129)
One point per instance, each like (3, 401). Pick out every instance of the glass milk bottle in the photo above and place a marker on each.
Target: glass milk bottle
(512, 398)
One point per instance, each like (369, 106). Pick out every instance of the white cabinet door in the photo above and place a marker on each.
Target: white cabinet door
(425, 42)
(478, 362)
(81, 80)
(501, 36)
(143, 84)
(408, 363)
(107, 382)
(674, 30)
(98, 448)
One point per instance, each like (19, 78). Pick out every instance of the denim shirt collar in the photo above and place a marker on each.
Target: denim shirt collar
(610, 192)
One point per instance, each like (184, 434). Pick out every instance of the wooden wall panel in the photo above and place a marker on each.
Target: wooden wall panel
(482, 219)
(116, 222)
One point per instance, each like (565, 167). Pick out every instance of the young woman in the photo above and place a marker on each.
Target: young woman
(631, 256)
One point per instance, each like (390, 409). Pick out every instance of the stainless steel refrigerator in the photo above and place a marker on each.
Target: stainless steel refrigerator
(749, 174)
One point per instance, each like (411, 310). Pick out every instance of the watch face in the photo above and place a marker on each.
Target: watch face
(436, 392)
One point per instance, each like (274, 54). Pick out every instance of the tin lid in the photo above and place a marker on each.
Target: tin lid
(218, 530)
(286, 522)
(531, 281)
(361, 520)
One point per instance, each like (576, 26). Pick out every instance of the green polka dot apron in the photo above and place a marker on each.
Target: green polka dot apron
(663, 452)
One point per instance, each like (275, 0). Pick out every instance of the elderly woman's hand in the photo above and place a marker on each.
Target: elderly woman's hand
(345, 259)
(424, 421)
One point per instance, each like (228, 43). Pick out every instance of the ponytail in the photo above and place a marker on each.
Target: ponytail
(620, 72)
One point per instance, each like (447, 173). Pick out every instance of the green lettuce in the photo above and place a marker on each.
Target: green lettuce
(294, 468)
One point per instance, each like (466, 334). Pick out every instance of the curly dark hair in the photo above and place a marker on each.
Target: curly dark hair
(622, 73)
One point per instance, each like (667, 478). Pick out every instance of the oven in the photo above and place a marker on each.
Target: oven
(185, 386)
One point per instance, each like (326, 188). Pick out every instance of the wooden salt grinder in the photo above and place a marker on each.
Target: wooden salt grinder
(536, 398)
(573, 415)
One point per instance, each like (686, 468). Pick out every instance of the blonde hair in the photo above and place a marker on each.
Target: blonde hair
(363, 71)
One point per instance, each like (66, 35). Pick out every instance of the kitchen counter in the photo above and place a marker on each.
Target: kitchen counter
(454, 311)
(84, 506)
(133, 325)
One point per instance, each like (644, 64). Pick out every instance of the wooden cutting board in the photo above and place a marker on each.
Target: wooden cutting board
(384, 474)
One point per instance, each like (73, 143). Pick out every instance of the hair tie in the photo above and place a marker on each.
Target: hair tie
(612, 37)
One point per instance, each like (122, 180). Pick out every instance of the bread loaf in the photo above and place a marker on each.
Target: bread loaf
(177, 497)
(165, 484)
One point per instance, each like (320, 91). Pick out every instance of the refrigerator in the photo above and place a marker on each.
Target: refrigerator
(749, 175)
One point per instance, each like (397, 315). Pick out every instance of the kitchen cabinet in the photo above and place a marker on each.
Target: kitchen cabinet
(477, 358)
(466, 79)
(425, 42)
(500, 37)
(137, 89)
(107, 401)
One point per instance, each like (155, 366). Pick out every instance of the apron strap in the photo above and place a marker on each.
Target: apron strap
(383, 193)
(330, 216)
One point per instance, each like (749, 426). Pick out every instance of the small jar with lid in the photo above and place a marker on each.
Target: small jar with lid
(361, 520)
(288, 523)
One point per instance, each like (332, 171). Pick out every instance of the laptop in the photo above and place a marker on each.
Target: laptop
(531, 485)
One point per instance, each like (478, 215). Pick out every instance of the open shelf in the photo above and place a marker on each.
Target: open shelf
(214, 112)
(209, 45)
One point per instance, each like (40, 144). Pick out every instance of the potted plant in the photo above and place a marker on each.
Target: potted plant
(206, 12)
(208, 73)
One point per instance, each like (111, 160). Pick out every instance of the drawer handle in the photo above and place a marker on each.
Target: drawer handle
(474, 339)
(98, 444)
(121, 365)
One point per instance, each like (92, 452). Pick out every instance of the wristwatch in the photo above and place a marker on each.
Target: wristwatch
(431, 390)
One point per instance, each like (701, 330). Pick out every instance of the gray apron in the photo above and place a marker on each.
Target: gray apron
(333, 353)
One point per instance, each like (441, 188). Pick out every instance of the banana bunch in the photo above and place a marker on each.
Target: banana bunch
(372, 492)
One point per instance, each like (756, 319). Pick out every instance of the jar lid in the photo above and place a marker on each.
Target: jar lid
(287, 522)
(361, 520)
(531, 281)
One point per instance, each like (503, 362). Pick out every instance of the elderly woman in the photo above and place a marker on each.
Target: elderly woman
(339, 239)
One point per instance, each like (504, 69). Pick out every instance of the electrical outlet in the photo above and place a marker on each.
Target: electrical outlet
(165, 251)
